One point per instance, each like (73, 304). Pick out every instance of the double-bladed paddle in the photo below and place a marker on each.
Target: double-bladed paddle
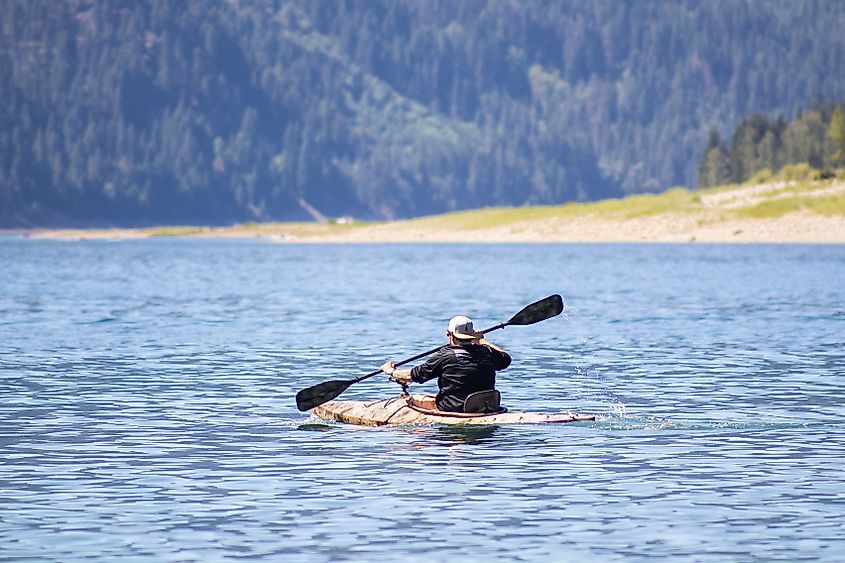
(314, 396)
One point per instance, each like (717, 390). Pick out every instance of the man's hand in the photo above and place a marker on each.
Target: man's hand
(398, 375)
(401, 377)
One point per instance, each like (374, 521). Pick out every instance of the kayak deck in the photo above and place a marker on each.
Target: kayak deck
(397, 411)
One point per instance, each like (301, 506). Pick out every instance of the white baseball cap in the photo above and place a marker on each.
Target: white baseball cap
(461, 327)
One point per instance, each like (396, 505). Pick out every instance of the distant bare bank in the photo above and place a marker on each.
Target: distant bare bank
(774, 212)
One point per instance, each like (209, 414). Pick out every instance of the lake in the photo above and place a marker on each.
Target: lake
(148, 407)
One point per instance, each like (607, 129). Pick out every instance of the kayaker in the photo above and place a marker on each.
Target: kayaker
(466, 365)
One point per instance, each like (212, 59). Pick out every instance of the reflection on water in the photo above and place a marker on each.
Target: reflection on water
(314, 427)
(439, 436)
(147, 403)
(470, 434)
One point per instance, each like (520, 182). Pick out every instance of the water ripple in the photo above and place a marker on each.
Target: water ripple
(148, 412)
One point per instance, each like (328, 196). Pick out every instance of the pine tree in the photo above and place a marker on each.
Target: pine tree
(714, 169)
(836, 131)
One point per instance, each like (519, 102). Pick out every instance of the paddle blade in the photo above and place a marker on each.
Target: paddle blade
(543, 309)
(315, 396)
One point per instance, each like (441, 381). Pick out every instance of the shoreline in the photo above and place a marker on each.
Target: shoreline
(796, 228)
(785, 212)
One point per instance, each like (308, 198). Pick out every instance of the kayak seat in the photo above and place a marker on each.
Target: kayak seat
(483, 401)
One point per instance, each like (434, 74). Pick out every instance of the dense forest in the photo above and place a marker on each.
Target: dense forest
(130, 112)
(760, 143)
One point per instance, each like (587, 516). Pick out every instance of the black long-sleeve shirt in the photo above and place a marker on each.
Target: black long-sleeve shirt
(461, 370)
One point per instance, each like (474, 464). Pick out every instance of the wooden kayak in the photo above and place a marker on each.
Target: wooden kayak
(398, 411)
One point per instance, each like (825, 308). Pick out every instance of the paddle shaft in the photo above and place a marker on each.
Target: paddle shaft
(421, 355)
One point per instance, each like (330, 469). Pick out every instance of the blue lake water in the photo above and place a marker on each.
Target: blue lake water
(147, 403)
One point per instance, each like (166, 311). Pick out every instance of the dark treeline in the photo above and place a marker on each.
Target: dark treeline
(164, 111)
(816, 138)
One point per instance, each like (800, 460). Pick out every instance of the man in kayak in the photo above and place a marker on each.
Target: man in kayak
(468, 364)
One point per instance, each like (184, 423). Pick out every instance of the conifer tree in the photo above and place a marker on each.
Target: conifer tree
(836, 132)
(714, 169)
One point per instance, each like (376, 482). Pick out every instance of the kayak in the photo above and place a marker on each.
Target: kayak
(398, 411)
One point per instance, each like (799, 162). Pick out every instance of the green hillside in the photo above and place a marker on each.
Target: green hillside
(210, 112)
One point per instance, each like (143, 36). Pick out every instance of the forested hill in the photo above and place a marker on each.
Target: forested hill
(211, 111)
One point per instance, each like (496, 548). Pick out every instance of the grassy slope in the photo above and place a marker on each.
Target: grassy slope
(676, 199)
(780, 195)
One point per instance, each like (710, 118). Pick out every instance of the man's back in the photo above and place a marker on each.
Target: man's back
(461, 370)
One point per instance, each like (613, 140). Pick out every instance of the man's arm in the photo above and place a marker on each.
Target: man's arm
(484, 342)
(398, 375)
(501, 358)
(419, 374)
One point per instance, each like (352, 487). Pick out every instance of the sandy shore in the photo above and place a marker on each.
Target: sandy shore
(713, 220)
(801, 227)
